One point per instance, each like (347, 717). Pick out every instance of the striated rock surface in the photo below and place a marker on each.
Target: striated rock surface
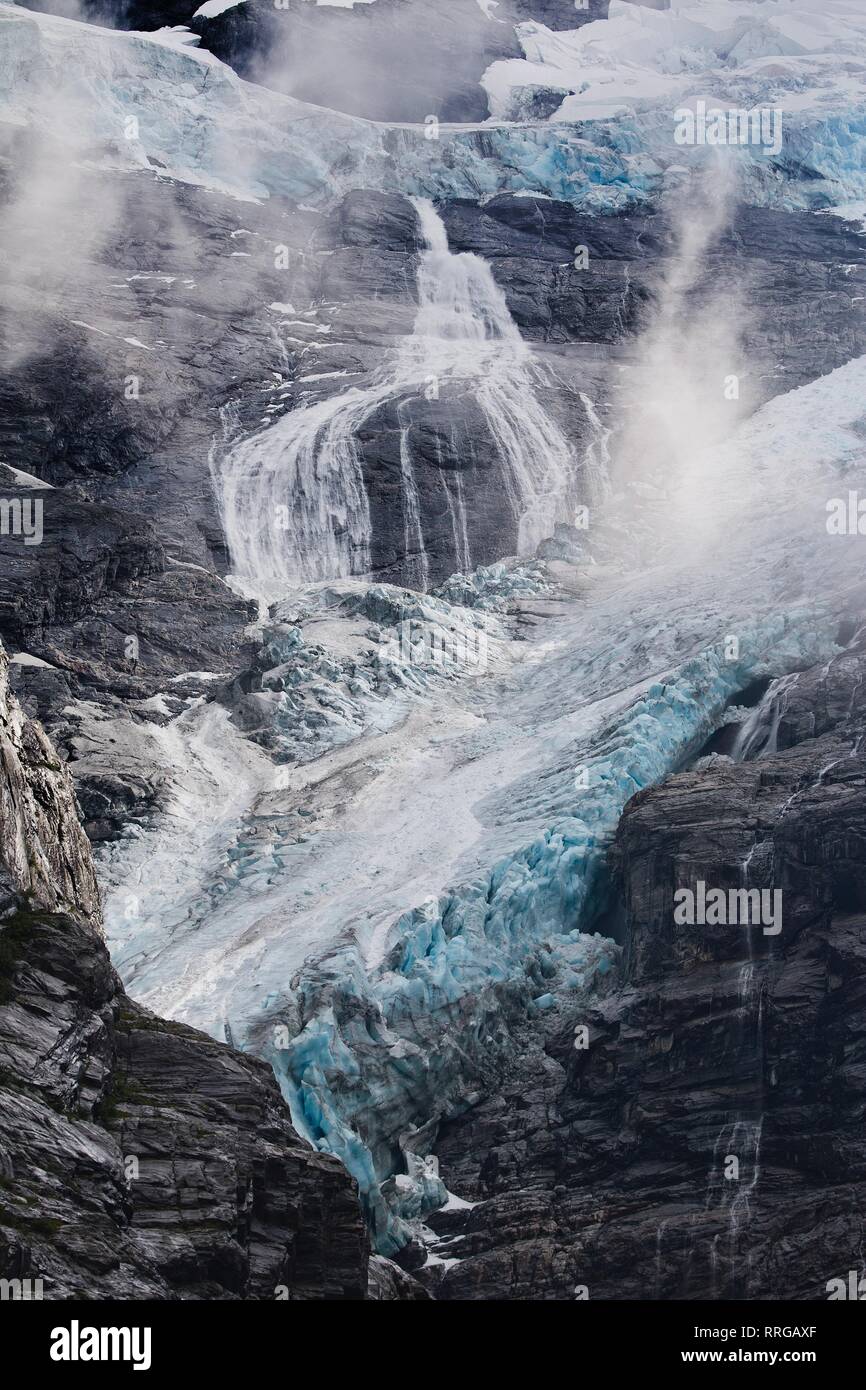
(605, 1170)
(44, 853)
(388, 1282)
(143, 1160)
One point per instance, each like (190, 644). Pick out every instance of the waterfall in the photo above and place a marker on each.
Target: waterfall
(759, 734)
(292, 497)
(742, 1133)
(596, 458)
(413, 534)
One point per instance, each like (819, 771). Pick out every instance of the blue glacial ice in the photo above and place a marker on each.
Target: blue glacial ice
(406, 1040)
(379, 919)
(152, 102)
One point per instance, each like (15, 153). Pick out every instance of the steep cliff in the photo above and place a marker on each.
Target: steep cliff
(138, 1158)
(44, 854)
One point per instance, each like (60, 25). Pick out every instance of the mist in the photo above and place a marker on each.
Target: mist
(690, 387)
(400, 65)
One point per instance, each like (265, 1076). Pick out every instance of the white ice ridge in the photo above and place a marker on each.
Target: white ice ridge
(122, 99)
(292, 497)
(802, 55)
(440, 868)
(212, 9)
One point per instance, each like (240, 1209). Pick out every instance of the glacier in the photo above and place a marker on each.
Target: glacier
(788, 53)
(406, 861)
(384, 987)
(156, 103)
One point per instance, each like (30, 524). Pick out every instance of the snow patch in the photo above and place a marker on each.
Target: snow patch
(212, 9)
(21, 479)
(25, 659)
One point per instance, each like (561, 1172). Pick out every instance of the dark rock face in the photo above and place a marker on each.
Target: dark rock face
(788, 269)
(121, 431)
(141, 1159)
(215, 319)
(456, 465)
(86, 553)
(120, 14)
(607, 1170)
(388, 1282)
(531, 245)
(44, 855)
(395, 60)
(138, 1158)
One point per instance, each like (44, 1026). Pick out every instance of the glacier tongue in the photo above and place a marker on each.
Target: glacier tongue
(381, 951)
(380, 1054)
(401, 863)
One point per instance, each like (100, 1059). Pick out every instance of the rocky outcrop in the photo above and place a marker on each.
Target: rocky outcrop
(138, 1158)
(120, 14)
(142, 1159)
(703, 1137)
(44, 854)
(390, 1283)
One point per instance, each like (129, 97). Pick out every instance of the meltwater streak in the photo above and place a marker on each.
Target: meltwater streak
(292, 497)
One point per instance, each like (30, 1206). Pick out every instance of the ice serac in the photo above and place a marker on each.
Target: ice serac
(742, 51)
(384, 1055)
(724, 1044)
(136, 101)
(292, 497)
